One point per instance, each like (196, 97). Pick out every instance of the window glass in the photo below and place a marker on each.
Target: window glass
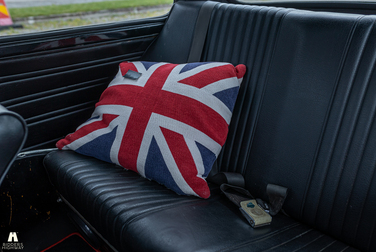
(25, 16)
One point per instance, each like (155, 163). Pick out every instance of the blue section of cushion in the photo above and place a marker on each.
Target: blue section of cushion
(191, 66)
(208, 158)
(228, 97)
(93, 118)
(147, 64)
(100, 147)
(156, 169)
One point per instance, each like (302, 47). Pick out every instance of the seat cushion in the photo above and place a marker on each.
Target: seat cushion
(135, 214)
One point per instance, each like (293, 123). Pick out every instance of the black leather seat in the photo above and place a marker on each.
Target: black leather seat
(135, 214)
(13, 132)
(304, 119)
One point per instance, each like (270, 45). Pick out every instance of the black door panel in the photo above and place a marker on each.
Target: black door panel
(54, 79)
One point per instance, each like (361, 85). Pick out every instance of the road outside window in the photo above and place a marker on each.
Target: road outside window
(42, 15)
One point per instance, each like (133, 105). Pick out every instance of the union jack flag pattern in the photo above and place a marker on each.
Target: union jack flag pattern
(168, 125)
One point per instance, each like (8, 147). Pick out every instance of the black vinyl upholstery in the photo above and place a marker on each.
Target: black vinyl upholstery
(310, 123)
(60, 74)
(304, 119)
(135, 214)
(13, 132)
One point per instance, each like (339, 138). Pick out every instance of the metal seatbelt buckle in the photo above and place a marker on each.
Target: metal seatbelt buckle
(254, 214)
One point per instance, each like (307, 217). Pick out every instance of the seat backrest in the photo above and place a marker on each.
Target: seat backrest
(13, 132)
(305, 114)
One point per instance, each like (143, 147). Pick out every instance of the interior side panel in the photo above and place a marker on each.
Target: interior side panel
(54, 79)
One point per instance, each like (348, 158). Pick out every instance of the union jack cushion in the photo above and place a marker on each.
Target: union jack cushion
(168, 122)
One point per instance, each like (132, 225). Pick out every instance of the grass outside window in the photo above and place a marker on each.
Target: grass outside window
(84, 7)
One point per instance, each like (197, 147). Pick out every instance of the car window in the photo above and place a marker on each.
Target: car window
(27, 16)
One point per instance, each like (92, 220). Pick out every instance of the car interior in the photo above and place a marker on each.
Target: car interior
(299, 146)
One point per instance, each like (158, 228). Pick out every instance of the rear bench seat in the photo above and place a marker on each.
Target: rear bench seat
(304, 119)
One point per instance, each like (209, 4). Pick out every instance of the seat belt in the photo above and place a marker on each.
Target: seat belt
(231, 178)
(201, 30)
(248, 206)
(257, 212)
(277, 195)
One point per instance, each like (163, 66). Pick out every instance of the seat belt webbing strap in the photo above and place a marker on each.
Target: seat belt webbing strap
(277, 195)
(236, 194)
(201, 29)
(231, 178)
